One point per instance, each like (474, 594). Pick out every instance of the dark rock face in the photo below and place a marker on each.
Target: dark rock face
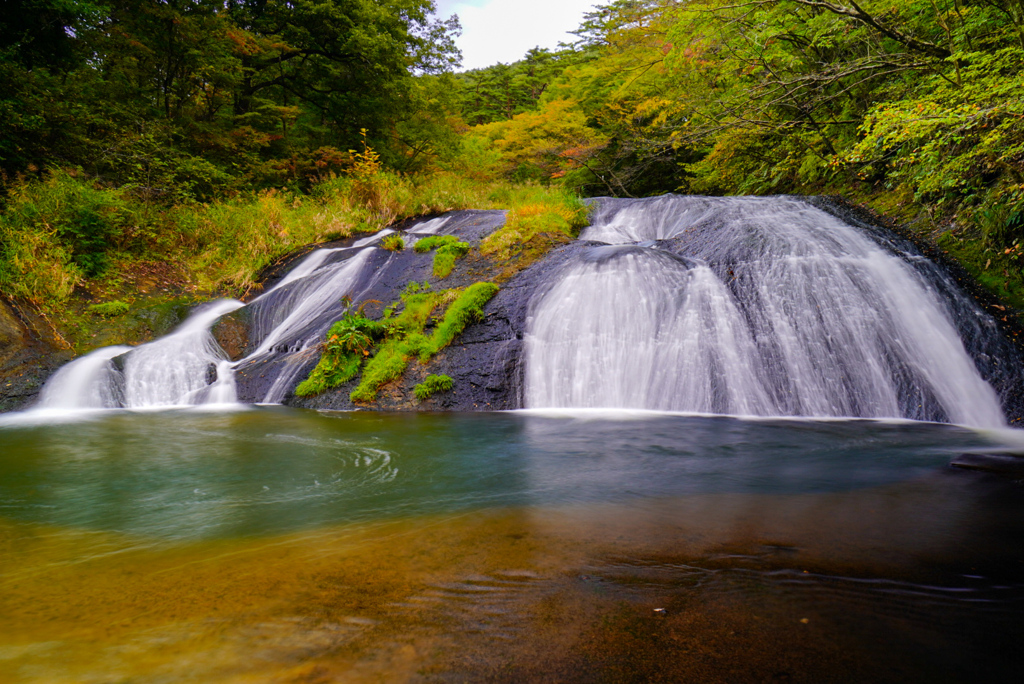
(27, 359)
(484, 361)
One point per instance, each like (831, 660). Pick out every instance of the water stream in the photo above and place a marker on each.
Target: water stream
(751, 306)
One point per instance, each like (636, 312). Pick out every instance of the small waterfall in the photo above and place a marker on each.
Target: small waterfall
(175, 369)
(295, 316)
(188, 367)
(91, 382)
(638, 327)
(288, 322)
(776, 309)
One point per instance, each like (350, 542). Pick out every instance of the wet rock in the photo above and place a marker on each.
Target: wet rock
(1010, 465)
(232, 333)
(28, 356)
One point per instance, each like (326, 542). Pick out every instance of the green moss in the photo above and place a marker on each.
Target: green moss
(331, 371)
(406, 340)
(433, 384)
(109, 309)
(998, 270)
(449, 248)
(387, 365)
(424, 245)
(393, 243)
(463, 311)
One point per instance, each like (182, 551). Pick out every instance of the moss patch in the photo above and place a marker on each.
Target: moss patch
(397, 340)
(448, 247)
(433, 384)
(998, 270)
(109, 309)
(409, 342)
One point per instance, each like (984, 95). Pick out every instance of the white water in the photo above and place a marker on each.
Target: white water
(292, 319)
(174, 370)
(793, 313)
(188, 368)
(87, 383)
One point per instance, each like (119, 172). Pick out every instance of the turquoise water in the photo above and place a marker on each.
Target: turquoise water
(192, 474)
(269, 544)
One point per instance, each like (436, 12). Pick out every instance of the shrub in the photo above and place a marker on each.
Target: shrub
(54, 232)
(393, 243)
(348, 342)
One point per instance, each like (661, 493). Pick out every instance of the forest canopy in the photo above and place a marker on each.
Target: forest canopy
(195, 98)
(913, 106)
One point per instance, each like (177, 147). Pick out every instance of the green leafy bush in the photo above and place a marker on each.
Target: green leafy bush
(348, 342)
(54, 232)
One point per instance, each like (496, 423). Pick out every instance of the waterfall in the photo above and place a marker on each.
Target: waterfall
(90, 382)
(187, 367)
(748, 306)
(174, 370)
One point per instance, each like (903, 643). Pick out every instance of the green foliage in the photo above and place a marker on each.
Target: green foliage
(393, 243)
(348, 342)
(425, 244)
(414, 288)
(109, 309)
(998, 270)
(448, 247)
(433, 384)
(501, 91)
(468, 308)
(200, 99)
(56, 231)
(406, 339)
(531, 228)
(331, 371)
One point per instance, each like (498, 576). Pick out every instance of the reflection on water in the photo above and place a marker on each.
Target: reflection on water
(278, 545)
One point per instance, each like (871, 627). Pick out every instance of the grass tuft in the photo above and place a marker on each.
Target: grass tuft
(433, 384)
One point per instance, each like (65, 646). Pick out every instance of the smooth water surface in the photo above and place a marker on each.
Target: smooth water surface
(269, 544)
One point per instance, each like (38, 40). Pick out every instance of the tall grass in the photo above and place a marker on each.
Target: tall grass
(64, 230)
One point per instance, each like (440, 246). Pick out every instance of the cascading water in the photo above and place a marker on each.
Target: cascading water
(90, 382)
(188, 367)
(292, 319)
(174, 370)
(748, 306)
(171, 371)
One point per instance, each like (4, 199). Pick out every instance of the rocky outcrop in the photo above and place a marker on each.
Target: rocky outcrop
(28, 356)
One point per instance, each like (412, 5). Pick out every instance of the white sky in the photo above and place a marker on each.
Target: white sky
(503, 30)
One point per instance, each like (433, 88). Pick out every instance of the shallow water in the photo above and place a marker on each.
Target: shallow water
(269, 544)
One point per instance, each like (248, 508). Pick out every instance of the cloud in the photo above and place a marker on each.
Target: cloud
(503, 30)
